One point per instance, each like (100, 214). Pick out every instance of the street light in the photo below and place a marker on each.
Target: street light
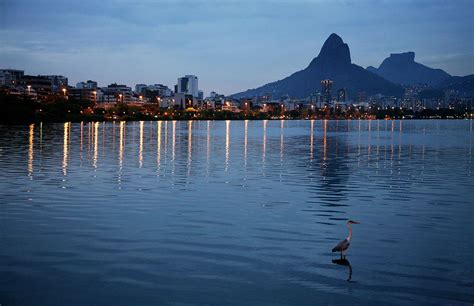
(29, 89)
(95, 96)
(64, 91)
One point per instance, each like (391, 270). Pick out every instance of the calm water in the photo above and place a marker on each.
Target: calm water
(236, 213)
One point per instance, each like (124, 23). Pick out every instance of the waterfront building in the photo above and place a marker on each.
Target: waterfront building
(178, 101)
(58, 82)
(11, 76)
(162, 90)
(326, 87)
(122, 93)
(341, 95)
(207, 104)
(215, 101)
(83, 94)
(154, 91)
(188, 85)
(245, 104)
(140, 88)
(41, 85)
(89, 84)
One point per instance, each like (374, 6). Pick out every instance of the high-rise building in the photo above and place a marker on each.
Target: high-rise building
(326, 87)
(341, 95)
(188, 85)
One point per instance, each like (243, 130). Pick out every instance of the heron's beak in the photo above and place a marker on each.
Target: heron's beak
(355, 222)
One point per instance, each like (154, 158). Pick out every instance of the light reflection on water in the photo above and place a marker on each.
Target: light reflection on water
(236, 212)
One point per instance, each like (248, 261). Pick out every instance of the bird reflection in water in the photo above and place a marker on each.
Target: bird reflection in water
(346, 263)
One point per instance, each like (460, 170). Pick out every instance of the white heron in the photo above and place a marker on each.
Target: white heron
(344, 244)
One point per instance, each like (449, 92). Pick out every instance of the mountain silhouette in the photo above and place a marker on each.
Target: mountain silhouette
(462, 86)
(334, 63)
(401, 68)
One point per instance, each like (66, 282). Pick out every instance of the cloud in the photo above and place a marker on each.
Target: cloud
(231, 45)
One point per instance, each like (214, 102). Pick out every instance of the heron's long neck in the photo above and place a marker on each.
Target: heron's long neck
(350, 232)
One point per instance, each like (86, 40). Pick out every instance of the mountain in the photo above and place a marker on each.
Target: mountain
(334, 63)
(401, 68)
(463, 86)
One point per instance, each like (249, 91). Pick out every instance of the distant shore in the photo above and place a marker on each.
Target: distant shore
(21, 110)
(213, 119)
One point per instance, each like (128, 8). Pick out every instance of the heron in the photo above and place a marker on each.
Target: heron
(344, 244)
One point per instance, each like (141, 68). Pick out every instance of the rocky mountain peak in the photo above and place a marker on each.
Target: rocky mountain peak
(334, 51)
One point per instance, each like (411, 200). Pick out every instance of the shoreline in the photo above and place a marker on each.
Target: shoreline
(213, 119)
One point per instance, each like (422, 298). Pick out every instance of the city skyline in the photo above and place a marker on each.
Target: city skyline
(227, 44)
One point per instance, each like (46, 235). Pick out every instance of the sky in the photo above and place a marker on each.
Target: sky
(230, 45)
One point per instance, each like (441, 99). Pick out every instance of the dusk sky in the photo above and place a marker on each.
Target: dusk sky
(230, 45)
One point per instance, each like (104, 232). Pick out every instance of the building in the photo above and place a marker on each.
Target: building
(215, 100)
(245, 104)
(188, 85)
(341, 95)
(11, 76)
(140, 88)
(122, 93)
(89, 84)
(163, 90)
(179, 101)
(184, 101)
(207, 104)
(151, 92)
(6, 78)
(326, 87)
(231, 105)
(83, 94)
(42, 85)
(58, 82)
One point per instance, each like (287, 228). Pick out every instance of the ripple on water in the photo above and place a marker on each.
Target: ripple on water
(238, 212)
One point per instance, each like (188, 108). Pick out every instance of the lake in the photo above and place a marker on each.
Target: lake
(236, 212)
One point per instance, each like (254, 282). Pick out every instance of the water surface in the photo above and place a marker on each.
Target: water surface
(236, 212)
